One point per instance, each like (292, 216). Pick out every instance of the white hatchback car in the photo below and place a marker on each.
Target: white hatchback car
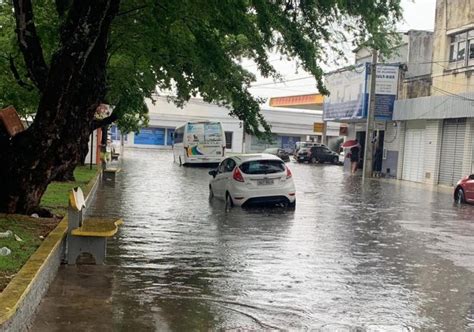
(253, 179)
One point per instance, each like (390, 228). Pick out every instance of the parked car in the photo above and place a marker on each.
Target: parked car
(301, 145)
(253, 179)
(285, 156)
(317, 154)
(464, 190)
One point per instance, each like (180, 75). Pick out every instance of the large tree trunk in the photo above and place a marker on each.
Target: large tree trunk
(64, 175)
(74, 87)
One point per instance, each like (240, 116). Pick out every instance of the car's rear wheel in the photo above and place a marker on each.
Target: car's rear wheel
(459, 196)
(292, 205)
(211, 193)
(229, 204)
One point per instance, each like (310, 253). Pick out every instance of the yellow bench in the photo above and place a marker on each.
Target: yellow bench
(87, 235)
(108, 174)
(98, 227)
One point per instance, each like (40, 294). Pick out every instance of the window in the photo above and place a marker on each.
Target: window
(170, 137)
(228, 139)
(229, 167)
(226, 166)
(470, 42)
(461, 48)
(222, 166)
(262, 167)
(178, 135)
(453, 52)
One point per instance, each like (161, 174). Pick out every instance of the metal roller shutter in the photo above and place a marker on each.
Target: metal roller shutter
(452, 151)
(413, 155)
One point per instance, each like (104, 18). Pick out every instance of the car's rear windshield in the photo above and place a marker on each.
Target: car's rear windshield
(262, 167)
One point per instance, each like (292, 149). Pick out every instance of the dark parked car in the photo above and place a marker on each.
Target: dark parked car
(285, 156)
(317, 154)
(301, 145)
(464, 190)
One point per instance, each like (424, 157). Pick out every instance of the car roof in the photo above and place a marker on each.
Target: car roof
(242, 158)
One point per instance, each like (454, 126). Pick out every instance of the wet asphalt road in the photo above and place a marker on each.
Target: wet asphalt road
(384, 256)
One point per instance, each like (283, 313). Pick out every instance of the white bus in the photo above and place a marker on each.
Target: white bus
(199, 142)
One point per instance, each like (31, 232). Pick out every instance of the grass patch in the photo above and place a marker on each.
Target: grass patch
(55, 198)
(31, 231)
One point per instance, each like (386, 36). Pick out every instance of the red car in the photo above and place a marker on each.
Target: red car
(464, 191)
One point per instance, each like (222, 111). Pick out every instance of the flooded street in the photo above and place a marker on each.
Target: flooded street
(386, 256)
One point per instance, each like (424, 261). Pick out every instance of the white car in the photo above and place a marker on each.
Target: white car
(253, 179)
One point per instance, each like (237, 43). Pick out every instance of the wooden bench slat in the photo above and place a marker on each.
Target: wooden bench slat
(98, 227)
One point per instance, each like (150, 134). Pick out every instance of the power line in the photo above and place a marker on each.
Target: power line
(452, 94)
(284, 81)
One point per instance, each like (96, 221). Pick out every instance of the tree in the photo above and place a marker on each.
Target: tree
(76, 54)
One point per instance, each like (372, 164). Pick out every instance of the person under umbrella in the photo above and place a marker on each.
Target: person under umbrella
(354, 153)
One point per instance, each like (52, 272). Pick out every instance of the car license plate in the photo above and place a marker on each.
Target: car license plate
(301, 158)
(264, 182)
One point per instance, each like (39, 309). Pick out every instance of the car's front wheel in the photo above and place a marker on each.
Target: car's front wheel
(459, 196)
(313, 160)
(292, 205)
(211, 193)
(335, 160)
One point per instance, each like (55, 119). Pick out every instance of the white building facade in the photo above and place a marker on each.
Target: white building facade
(438, 129)
(288, 126)
(412, 57)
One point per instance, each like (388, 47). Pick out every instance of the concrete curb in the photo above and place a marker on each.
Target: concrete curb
(21, 297)
(417, 185)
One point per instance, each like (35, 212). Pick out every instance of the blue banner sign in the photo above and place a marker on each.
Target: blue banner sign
(349, 95)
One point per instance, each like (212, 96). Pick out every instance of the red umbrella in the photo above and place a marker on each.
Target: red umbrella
(350, 144)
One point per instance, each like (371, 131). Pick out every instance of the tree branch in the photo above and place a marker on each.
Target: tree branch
(18, 79)
(29, 43)
(132, 10)
(105, 121)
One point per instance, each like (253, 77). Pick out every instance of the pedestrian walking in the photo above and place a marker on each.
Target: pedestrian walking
(355, 156)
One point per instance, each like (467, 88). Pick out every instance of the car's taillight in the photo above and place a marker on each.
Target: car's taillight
(288, 173)
(237, 175)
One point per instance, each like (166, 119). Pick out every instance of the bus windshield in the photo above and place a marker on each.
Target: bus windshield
(209, 133)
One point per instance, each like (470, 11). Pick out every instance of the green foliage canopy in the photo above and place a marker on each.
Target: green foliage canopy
(193, 47)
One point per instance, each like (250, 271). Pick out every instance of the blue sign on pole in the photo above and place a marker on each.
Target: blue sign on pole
(349, 95)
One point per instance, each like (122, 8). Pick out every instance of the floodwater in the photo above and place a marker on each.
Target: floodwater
(384, 256)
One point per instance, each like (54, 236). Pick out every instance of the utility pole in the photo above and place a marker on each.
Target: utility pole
(368, 152)
(324, 136)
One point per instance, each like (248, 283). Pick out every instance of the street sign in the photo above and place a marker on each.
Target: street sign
(318, 127)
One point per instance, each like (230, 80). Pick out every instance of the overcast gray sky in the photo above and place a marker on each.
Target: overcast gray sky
(418, 15)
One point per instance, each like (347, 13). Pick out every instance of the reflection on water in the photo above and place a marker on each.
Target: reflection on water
(379, 256)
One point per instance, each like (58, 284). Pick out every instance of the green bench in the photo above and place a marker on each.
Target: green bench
(87, 235)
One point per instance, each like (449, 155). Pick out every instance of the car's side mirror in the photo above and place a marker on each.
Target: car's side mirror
(471, 177)
(213, 173)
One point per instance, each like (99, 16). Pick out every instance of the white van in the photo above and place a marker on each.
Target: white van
(199, 142)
